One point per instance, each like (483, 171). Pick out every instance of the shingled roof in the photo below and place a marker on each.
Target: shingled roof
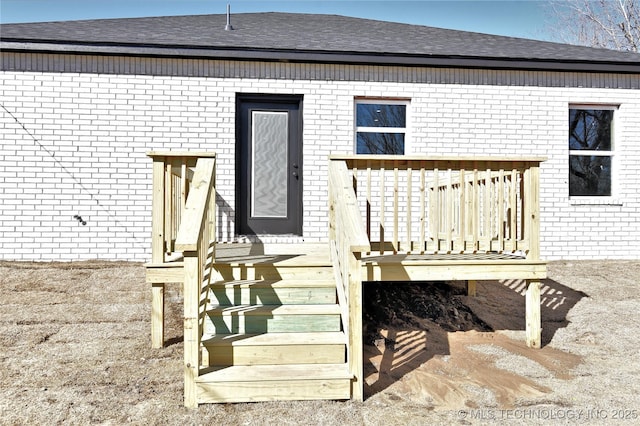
(308, 38)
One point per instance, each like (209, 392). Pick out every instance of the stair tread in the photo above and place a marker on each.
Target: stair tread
(173, 264)
(318, 309)
(430, 259)
(275, 283)
(287, 372)
(269, 261)
(276, 339)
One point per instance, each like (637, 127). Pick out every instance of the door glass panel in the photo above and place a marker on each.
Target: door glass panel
(269, 162)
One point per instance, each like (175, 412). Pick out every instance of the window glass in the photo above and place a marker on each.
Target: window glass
(590, 129)
(589, 175)
(590, 151)
(381, 115)
(381, 127)
(380, 143)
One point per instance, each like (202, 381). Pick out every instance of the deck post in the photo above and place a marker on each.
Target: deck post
(192, 281)
(193, 240)
(532, 306)
(157, 315)
(532, 210)
(157, 252)
(355, 326)
(471, 288)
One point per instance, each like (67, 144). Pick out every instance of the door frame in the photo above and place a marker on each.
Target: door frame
(242, 205)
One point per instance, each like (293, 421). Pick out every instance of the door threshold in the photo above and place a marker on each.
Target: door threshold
(270, 239)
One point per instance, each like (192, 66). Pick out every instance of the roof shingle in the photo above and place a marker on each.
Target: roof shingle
(287, 36)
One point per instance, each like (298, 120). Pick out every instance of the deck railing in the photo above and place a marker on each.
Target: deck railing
(172, 175)
(196, 240)
(447, 205)
(348, 240)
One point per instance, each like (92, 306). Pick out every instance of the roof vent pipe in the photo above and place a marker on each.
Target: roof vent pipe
(228, 27)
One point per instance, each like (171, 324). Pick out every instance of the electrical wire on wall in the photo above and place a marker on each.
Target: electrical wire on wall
(77, 182)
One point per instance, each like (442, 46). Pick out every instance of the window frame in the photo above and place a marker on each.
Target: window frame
(611, 153)
(366, 129)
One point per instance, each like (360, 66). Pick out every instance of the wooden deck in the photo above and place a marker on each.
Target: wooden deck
(284, 321)
(390, 266)
(451, 267)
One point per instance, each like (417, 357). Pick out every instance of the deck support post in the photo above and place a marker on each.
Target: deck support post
(533, 323)
(157, 315)
(355, 327)
(157, 252)
(192, 282)
(471, 288)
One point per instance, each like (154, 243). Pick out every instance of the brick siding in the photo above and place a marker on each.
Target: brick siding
(92, 131)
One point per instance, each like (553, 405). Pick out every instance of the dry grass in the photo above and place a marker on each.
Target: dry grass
(75, 349)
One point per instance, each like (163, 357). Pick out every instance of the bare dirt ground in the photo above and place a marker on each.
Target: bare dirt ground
(75, 349)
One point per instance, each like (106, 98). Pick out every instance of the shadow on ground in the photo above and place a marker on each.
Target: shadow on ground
(408, 324)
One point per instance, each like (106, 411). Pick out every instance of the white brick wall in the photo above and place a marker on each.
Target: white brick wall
(93, 131)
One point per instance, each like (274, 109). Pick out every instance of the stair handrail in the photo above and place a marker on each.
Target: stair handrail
(348, 240)
(196, 239)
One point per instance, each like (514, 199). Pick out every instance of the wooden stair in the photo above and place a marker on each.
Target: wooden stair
(274, 383)
(273, 332)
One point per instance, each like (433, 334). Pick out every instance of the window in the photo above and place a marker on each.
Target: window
(591, 150)
(381, 126)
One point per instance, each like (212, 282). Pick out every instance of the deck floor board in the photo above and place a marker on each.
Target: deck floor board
(318, 253)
